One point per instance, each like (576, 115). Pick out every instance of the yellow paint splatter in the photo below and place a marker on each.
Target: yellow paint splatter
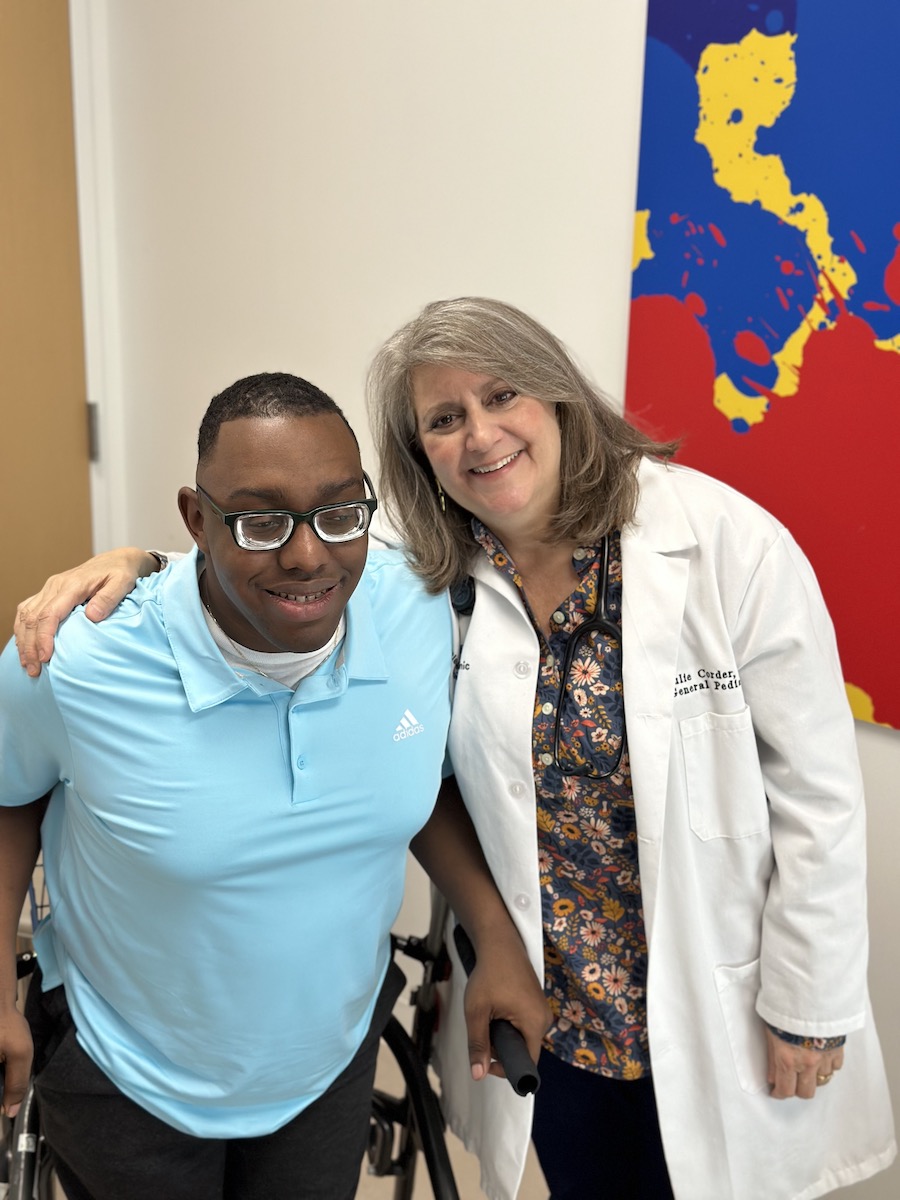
(734, 404)
(642, 251)
(745, 87)
(862, 705)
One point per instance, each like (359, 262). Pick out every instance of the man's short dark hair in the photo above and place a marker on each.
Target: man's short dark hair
(271, 394)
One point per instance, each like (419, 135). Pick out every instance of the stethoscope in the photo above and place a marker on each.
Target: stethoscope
(598, 622)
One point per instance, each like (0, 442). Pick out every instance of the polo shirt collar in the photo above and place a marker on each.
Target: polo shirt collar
(363, 655)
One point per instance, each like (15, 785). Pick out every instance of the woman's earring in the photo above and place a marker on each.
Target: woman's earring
(441, 496)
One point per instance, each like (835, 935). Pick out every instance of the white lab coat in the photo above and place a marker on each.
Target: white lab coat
(751, 839)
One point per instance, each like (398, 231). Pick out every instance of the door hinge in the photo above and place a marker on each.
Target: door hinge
(93, 432)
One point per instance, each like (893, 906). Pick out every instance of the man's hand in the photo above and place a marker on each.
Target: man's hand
(503, 985)
(796, 1071)
(103, 581)
(16, 1054)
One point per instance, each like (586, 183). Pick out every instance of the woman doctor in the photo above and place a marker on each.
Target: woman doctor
(651, 733)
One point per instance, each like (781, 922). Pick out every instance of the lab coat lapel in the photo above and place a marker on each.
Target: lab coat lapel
(656, 561)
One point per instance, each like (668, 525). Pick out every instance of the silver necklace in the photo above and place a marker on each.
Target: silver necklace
(236, 646)
(240, 651)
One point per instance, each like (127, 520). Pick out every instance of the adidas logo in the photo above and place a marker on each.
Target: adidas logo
(408, 727)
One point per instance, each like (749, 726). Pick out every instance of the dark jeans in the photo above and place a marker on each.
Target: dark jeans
(106, 1147)
(597, 1138)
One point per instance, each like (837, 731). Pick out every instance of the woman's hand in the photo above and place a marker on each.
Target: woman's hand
(797, 1071)
(103, 581)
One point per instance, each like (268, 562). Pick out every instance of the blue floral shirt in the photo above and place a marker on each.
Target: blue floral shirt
(595, 947)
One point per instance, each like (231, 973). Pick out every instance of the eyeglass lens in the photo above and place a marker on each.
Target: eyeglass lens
(268, 531)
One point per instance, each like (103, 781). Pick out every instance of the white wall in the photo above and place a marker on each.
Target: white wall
(277, 184)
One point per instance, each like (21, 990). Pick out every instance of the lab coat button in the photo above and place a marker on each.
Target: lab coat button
(523, 669)
(517, 789)
(521, 901)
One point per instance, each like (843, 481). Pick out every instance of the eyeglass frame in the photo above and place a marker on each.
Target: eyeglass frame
(600, 622)
(297, 519)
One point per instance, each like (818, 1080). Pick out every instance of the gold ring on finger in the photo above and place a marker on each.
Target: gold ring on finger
(821, 1080)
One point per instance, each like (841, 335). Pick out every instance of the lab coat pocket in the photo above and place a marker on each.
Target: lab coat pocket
(726, 797)
(738, 988)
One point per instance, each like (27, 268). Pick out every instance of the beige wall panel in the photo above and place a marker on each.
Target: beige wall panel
(44, 492)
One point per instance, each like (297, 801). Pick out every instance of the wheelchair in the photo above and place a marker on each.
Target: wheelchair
(26, 1172)
(403, 1128)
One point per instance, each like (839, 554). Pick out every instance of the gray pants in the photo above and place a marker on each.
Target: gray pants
(106, 1147)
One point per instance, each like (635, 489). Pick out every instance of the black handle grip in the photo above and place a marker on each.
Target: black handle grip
(508, 1043)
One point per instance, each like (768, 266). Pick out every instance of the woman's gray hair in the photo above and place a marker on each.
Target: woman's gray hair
(600, 450)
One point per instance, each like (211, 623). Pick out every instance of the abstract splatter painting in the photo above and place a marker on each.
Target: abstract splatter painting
(765, 315)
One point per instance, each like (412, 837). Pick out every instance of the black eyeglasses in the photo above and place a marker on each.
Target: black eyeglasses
(598, 763)
(271, 529)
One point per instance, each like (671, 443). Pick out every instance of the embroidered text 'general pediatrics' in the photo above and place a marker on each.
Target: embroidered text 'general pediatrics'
(703, 679)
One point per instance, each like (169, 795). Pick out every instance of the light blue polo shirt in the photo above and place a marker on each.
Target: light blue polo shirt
(225, 857)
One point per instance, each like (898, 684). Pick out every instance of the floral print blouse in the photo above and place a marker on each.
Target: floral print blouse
(595, 947)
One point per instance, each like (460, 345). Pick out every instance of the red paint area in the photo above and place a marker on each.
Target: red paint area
(717, 234)
(751, 347)
(822, 461)
(695, 304)
(858, 242)
(892, 273)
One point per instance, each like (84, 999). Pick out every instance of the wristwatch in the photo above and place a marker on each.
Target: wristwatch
(162, 559)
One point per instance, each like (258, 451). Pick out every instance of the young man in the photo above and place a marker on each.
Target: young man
(226, 837)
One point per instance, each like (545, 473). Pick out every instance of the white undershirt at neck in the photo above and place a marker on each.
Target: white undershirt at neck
(287, 668)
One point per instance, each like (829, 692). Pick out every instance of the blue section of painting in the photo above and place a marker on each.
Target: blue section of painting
(737, 281)
(687, 28)
(838, 138)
